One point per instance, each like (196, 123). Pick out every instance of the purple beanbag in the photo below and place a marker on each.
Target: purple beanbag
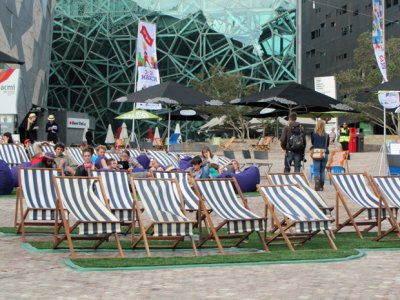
(6, 182)
(185, 163)
(143, 160)
(248, 179)
(14, 172)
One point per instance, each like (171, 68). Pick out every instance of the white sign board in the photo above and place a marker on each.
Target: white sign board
(9, 79)
(149, 106)
(77, 123)
(326, 85)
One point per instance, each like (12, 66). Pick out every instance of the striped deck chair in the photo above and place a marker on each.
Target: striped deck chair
(219, 195)
(37, 188)
(388, 187)
(299, 209)
(76, 154)
(48, 148)
(179, 155)
(116, 185)
(11, 154)
(85, 199)
(301, 180)
(109, 155)
(356, 188)
(134, 152)
(163, 158)
(165, 210)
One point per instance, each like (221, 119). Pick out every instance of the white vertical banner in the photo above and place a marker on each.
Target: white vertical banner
(378, 35)
(146, 57)
(9, 79)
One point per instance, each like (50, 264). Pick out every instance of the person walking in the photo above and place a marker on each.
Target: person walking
(52, 129)
(293, 141)
(320, 140)
(344, 138)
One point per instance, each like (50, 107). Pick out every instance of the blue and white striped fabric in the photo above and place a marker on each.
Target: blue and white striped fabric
(299, 179)
(163, 158)
(109, 155)
(117, 189)
(76, 154)
(39, 192)
(179, 155)
(23, 154)
(220, 196)
(78, 196)
(48, 148)
(134, 152)
(189, 196)
(164, 208)
(222, 160)
(390, 186)
(31, 151)
(10, 153)
(356, 189)
(296, 205)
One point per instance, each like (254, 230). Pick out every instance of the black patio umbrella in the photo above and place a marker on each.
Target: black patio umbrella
(267, 113)
(188, 115)
(7, 59)
(170, 94)
(391, 85)
(293, 97)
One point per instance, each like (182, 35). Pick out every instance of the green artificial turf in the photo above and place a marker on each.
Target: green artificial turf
(12, 195)
(313, 250)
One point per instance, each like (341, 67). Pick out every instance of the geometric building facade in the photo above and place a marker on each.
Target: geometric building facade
(26, 34)
(94, 47)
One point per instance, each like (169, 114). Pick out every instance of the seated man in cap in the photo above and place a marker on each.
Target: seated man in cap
(47, 161)
(52, 129)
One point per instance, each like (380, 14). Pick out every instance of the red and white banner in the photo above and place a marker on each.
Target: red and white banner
(9, 79)
(146, 56)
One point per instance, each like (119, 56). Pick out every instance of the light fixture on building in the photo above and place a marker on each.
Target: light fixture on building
(313, 5)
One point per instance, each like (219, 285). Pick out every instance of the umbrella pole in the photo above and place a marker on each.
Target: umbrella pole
(186, 131)
(133, 126)
(169, 126)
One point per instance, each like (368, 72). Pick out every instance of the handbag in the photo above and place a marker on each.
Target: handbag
(318, 153)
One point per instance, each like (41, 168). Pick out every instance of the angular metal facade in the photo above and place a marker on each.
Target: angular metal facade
(93, 53)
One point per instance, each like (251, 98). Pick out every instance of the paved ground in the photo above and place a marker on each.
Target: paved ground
(26, 275)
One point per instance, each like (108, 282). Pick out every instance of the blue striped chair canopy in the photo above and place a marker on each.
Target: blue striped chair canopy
(134, 152)
(355, 187)
(109, 155)
(13, 154)
(48, 148)
(76, 154)
(163, 158)
(295, 204)
(79, 196)
(38, 190)
(390, 187)
(300, 180)
(222, 160)
(179, 155)
(160, 202)
(219, 195)
(189, 196)
(116, 186)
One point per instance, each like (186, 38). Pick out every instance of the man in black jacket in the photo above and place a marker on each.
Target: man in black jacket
(293, 141)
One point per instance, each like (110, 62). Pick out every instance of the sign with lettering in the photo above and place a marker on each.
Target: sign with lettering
(9, 79)
(77, 123)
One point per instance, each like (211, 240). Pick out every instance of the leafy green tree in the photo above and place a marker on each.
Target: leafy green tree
(353, 82)
(224, 86)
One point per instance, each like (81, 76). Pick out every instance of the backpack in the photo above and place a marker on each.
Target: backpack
(295, 141)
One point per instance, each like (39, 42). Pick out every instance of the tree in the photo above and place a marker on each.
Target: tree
(225, 87)
(366, 74)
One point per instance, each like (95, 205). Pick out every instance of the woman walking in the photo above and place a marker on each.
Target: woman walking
(320, 140)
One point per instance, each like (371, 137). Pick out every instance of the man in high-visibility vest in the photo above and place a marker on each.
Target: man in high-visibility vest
(344, 138)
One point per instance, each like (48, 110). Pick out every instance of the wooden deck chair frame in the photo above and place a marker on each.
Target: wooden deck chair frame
(326, 210)
(22, 213)
(264, 143)
(351, 220)
(213, 230)
(200, 217)
(98, 238)
(118, 212)
(145, 232)
(395, 225)
(227, 145)
(343, 161)
(287, 224)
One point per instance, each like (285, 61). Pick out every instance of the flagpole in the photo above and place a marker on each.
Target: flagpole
(384, 108)
(135, 90)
